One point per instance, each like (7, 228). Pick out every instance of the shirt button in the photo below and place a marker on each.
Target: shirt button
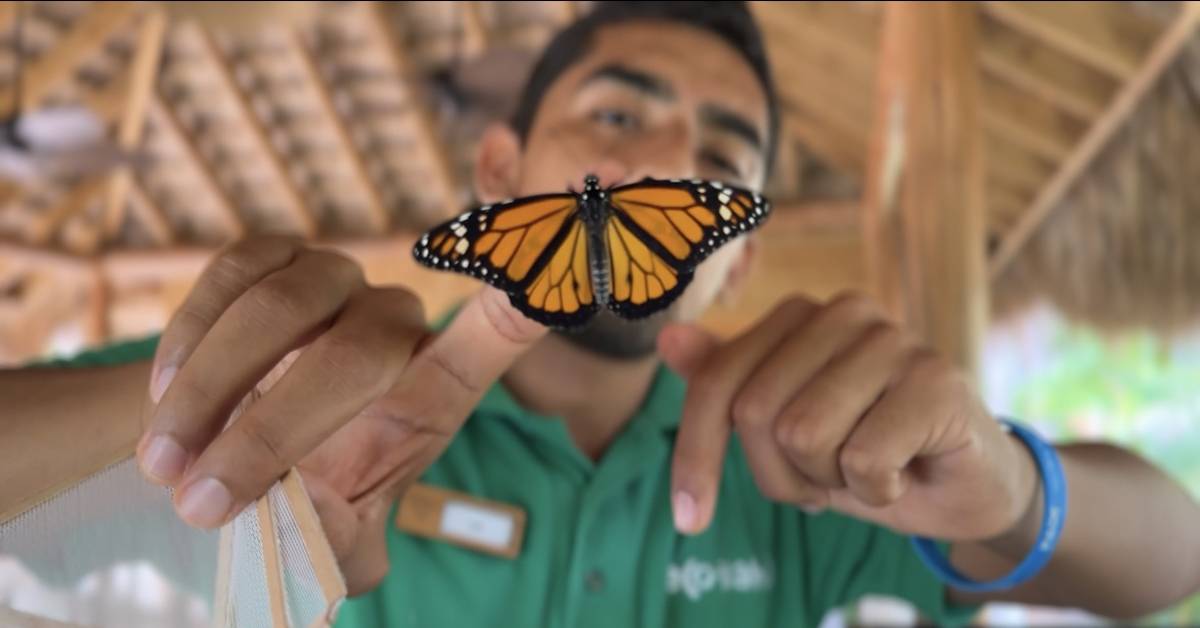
(594, 581)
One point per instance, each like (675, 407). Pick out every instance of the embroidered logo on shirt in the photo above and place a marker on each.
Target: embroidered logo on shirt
(695, 578)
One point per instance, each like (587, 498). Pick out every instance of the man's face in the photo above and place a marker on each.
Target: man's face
(651, 99)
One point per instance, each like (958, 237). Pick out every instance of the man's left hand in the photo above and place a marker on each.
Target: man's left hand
(836, 407)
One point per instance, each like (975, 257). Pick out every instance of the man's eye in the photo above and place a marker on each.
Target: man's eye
(720, 163)
(617, 119)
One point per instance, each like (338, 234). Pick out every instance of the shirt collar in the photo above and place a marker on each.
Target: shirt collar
(660, 410)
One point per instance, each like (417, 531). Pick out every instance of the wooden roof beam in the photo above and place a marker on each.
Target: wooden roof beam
(223, 205)
(427, 139)
(1016, 167)
(377, 213)
(1165, 50)
(142, 75)
(849, 31)
(475, 32)
(1101, 34)
(1044, 73)
(839, 149)
(836, 87)
(296, 205)
(56, 64)
(43, 227)
(1029, 122)
(1008, 124)
(150, 214)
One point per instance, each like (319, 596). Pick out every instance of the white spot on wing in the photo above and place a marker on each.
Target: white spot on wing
(461, 247)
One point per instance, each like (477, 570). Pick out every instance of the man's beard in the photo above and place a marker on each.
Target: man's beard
(611, 336)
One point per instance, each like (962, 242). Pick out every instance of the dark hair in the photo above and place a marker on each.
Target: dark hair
(729, 20)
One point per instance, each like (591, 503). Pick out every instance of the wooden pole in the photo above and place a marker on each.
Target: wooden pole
(924, 205)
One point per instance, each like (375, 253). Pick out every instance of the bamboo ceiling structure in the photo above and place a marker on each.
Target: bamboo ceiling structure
(333, 125)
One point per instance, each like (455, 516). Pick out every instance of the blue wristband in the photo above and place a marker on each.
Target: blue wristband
(1054, 491)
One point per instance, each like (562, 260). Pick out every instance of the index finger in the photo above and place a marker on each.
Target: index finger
(705, 426)
(450, 372)
(459, 364)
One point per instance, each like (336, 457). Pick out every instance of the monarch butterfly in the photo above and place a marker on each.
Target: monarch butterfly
(560, 257)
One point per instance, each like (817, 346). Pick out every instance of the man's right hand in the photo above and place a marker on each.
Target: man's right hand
(370, 401)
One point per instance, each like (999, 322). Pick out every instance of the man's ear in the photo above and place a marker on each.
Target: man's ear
(739, 270)
(497, 164)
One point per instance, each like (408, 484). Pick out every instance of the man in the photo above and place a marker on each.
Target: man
(756, 481)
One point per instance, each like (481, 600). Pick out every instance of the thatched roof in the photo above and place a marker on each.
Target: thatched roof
(1123, 248)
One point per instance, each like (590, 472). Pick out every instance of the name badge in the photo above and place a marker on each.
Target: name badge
(479, 524)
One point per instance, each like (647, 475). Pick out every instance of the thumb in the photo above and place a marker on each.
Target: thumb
(685, 347)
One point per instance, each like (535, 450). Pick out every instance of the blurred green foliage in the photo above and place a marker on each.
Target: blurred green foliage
(1134, 390)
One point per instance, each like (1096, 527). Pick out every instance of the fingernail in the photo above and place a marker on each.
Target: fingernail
(164, 460)
(205, 503)
(162, 379)
(685, 511)
(812, 510)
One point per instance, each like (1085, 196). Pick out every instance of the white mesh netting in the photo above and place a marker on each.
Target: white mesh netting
(111, 552)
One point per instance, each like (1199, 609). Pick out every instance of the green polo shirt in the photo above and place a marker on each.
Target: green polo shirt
(600, 548)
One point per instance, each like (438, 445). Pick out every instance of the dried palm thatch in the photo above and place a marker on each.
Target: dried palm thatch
(1123, 250)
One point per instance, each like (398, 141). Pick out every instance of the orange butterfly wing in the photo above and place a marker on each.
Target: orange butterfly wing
(662, 230)
(530, 247)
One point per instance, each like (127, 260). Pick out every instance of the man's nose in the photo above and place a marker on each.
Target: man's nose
(610, 172)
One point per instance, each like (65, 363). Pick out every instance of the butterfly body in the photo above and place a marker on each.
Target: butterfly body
(594, 212)
(561, 257)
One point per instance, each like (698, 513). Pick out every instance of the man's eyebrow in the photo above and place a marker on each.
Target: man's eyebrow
(644, 82)
(731, 122)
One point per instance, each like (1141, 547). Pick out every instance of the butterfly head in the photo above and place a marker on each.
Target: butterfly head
(591, 185)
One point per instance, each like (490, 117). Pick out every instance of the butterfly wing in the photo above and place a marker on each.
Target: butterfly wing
(684, 221)
(520, 247)
(560, 292)
(642, 281)
(662, 230)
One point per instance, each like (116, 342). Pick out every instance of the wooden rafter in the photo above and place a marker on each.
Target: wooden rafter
(427, 139)
(55, 65)
(825, 86)
(475, 32)
(107, 101)
(296, 205)
(1014, 166)
(142, 75)
(377, 214)
(847, 31)
(1101, 34)
(222, 204)
(835, 87)
(44, 226)
(843, 148)
(1028, 122)
(8, 14)
(1044, 73)
(150, 214)
(1164, 51)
